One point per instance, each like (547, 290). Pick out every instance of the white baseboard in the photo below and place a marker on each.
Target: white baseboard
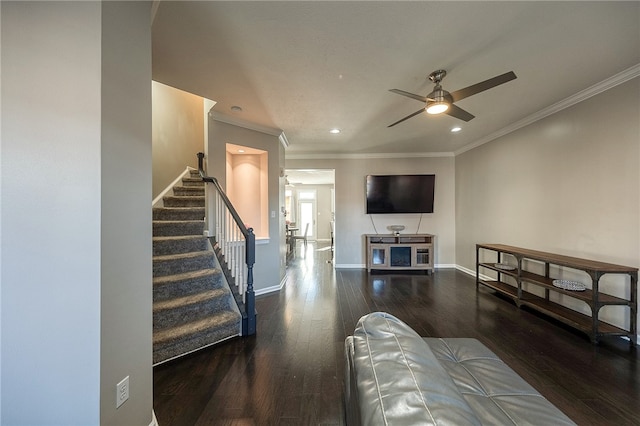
(157, 202)
(154, 420)
(350, 266)
(473, 273)
(272, 289)
(444, 266)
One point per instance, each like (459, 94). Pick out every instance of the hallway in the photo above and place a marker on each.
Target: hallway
(291, 372)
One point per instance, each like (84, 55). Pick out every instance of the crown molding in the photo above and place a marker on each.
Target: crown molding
(369, 156)
(283, 140)
(603, 86)
(223, 118)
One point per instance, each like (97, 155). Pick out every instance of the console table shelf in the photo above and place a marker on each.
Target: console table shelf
(595, 299)
(399, 252)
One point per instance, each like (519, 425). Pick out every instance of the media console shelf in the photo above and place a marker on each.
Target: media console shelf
(399, 252)
(591, 325)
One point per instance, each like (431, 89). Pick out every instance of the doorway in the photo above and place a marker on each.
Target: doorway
(309, 198)
(307, 213)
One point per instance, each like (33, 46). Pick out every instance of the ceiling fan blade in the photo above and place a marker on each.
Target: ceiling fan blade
(407, 117)
(409, 95)
(457, 112)
(482, 86)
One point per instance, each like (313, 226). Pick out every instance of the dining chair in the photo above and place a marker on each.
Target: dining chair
(303, 237)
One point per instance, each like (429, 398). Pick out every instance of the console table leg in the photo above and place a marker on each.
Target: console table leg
(595, 306)
(633, 328)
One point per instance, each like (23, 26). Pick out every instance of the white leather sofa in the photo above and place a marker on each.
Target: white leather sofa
(396, 377)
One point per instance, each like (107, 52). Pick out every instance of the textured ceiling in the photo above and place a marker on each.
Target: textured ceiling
(307, 67)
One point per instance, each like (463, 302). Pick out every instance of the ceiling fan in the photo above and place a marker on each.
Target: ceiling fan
(441, 101)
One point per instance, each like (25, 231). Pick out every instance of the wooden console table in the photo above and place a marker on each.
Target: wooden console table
(592, 297)
(399, 252)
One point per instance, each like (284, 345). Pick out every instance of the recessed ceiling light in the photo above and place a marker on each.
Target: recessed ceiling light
(241, 151)
(456, 129)
(236, 108)
(334, 131)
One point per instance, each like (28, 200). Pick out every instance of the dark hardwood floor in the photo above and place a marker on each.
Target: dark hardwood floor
(291, 372)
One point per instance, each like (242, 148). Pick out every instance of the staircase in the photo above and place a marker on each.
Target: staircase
(193, 306)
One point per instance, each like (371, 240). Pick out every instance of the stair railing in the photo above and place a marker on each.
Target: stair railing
(237, 244)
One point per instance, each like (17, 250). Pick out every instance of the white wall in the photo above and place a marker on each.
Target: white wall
(61, 346)
(567, 184)
(269, 268)
(351, 221)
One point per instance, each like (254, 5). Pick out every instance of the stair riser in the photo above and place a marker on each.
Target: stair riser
(178, 246)
(165, 267)
(168, 350)
(170, 201)
(186, 287)
(188, 191)
(184, 314)
(179, 213)
(172, 229)
(192, 182)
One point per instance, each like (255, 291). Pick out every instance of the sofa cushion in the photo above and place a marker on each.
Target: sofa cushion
(399, 380)
(496, 393)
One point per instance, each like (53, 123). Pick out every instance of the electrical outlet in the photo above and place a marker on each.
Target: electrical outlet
(122, 391)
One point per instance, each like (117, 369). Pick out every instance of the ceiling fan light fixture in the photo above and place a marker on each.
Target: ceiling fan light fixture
(437, 107)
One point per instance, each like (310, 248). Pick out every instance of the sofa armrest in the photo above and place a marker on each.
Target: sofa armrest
(397, 379)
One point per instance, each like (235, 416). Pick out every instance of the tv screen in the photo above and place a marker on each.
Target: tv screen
(400, 194)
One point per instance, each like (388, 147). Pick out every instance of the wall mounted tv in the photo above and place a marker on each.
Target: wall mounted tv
(400, 193)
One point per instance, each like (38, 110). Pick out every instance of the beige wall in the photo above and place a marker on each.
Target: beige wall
(125, 271)
(75, 244)
(269, 267)
(178, 133)
(352, 222)
(568, 184)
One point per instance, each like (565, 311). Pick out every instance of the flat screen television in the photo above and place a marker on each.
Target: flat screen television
(400, 193)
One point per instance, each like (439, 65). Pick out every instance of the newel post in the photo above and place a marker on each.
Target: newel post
(250, 295)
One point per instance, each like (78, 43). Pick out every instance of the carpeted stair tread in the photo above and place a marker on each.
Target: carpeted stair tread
(186, 309)
(177, 333)
(168, 228)
(192, 181)
(185, 276)
(189, 255)
(188, 190)
(179, 285)
(178, 213)
(189, 300)
(172, 264)
(177, 244)
(192, 342)
(183, 201)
